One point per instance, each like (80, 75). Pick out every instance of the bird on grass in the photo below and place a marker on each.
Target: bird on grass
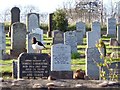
(37, 45)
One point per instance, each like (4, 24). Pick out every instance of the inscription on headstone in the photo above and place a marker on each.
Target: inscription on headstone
(33, 65)
(60, 57)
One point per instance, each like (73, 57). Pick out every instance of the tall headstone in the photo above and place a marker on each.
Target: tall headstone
(60, 57)
(70, 38)
(18, 38)
(15, 15)
(50, 25)
(57, 37)
(33, 65)
(96, 27)
(2, 41)
(92, 58)
(32, 23)
(111, 26)
(80, 26)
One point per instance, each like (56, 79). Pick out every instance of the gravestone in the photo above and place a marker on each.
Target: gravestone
(15, 17)
(33, 65)
(113, 42)
(92, 58)
(118, 34)
(2, 41)
(32, 23)
(96, 27)
(61, 61)
(70, 38)
(92, 39)
(29, 46)
(80, 26)
(14, 69)
(111, 26)
(118, 11)
(18, 38)
(50, 25)
(58, 37)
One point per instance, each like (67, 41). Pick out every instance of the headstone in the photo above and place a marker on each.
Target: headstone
(80, 26)
(33, 65)
(15, 15)
(61, 61)
(92, 58)
(111, 26)
(29, 45)
(18, 38)
(32, 23)
(96, 27)
(60, 57)
(50, 25)
(118, 11)
(92, 39)
(113, 42)
(58, 37)
(2, 41)
(118, 34)
(15, 69)
(70, 38)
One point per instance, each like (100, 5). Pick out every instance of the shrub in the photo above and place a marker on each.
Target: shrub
(75, 55)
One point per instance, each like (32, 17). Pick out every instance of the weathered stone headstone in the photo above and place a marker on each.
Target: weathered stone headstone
(15, 15)
(118, 34)
(32, 23)
(92, 58)
(92, 38)
(111, 26)
(50, 25)
(14, 69)
(58, 37)
(61, 61)
(80, 26)
(96, 27)
(70, 38)
(2, 41)
(33, 65)
(60, 57)
(18, 38)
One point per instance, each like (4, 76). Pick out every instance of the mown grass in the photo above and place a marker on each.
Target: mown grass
(77, 63)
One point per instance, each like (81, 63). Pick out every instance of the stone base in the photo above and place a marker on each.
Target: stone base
(62, 74)
(49, 34)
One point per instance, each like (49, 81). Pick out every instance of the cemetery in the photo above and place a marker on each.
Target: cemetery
(74, 59)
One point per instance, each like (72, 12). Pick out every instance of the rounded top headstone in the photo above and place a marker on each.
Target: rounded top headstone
(15, 9)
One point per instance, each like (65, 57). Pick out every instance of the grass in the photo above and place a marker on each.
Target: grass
(78, 63)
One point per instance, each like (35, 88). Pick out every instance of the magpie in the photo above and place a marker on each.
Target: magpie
(37, 45)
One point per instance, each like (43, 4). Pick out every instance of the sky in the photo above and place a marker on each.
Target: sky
(43, 5)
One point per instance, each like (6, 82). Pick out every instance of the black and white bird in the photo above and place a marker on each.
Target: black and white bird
(37, 45)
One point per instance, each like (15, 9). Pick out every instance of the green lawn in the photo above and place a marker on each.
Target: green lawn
(78, 63)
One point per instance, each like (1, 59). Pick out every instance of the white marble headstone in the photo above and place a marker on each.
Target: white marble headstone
(60, 57)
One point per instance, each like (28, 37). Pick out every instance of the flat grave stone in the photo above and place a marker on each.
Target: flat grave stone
(33, 65)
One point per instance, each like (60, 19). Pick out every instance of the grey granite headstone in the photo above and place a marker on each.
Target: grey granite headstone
(92, 38)
(61, 62)
(14, 69)
(18, 38)
(96, 27)
(32, 23)
(60, 57)
(2, 41)
(118, 34)
(15, 15)
(92, 58)
(33, 65)
(58, 37)
(29, 38)
(80, 26)
(80, 36)
(70, 38)
(111, 26)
